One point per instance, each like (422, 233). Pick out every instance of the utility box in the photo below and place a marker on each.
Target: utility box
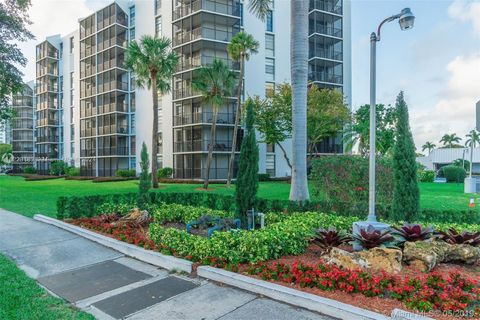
(470, 185)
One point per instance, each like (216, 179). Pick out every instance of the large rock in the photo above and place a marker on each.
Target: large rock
(426, 255)
(376, 259)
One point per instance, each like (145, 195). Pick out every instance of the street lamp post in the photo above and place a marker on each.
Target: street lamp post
(406, 20)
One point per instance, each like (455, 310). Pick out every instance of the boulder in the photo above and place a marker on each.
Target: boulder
(376, 259)
(421, 256)
(426, 255)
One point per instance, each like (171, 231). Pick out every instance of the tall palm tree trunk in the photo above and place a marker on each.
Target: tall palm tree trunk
(213, 133)
(238, 111)
(299, 75)
(154, 131)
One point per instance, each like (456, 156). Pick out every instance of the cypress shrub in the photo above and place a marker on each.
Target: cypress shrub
(145, 179)
(406, 194)
(247, 177)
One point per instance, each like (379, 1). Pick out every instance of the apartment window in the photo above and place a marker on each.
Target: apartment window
(158, 6)
(158, 26)
(60, 52)
(132, 34)
(269, 45)
(269, 21)
(270, 165)
(269, 88)
(132, 122)
(270, 69)
(71, 44)
(270, 147)
(72, 91)
(132, 16)
(240, 8)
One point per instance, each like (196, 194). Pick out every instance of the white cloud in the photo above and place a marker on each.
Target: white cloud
(466, 11)
(50, 17)
(455, 110)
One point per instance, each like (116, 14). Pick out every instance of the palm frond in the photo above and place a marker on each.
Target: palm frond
(260, 8)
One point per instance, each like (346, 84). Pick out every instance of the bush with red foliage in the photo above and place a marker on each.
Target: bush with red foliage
(433, 291)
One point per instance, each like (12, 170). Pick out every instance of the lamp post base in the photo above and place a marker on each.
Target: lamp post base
(359, 225)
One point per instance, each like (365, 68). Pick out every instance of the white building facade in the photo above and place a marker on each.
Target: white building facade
(90, 114)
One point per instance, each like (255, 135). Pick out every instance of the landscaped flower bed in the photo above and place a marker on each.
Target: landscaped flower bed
(453, 293)
(283, 252)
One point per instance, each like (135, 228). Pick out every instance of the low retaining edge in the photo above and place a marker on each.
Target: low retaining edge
(291, 296)
(149, 256)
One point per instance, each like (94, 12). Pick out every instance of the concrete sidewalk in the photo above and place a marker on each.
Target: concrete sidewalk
(111, 286)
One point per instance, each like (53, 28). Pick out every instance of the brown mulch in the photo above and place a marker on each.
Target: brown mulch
(377, 304)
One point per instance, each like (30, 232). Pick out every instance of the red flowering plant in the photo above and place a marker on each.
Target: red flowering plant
(452, 292)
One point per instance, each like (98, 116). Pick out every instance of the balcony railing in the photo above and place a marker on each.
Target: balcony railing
(201, 60)
(204, 117)
(202, 32)
(199, 173)
(47, 139)
(326, 5)
(203, 145)
(48, 155)
(113, 151)
(328, 30)
(325, 77)
(327, 54)
(47, 122)
(214, 6)
(185, 93)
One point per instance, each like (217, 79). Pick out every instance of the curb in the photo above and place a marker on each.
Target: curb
(291, 296)
(149, 256)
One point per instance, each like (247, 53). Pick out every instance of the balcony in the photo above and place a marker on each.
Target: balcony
(201, 60)
(213, 6)
(48, 155)
(44, 139)
(327, 30)
(113, 151)
(204, 117)
(47, 122)
(326, 54)
(325, 77)
(87, 153)
(203, 145)
(199, 173)
(333, 6)
(202, 32)
(185, 93)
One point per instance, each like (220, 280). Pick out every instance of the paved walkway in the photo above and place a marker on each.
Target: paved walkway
(111, 286)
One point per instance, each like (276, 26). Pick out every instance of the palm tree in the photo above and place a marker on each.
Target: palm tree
(239, 49)
(473, 138)
(449, 140)
(428, 146)
(152, 62)
(299, 77)
(216, 83)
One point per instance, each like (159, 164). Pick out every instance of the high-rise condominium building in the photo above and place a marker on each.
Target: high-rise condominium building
(23, 133)
(102, 128)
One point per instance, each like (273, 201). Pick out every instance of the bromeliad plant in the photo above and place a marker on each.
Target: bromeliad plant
(452, 236)
(413, 232)
(370, 238)
(328, 238)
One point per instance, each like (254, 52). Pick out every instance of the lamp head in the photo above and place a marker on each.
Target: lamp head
(406, 19)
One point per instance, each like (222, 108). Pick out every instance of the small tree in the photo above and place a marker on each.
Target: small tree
(406, 195)
(247, 178)
(145, 179)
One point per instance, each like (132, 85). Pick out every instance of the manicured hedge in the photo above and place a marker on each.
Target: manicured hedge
(87, 206)
(289, 236)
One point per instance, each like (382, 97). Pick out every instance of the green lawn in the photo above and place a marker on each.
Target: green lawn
(22, 298)
(31, 197)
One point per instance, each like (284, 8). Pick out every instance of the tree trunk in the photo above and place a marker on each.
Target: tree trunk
(237, 121)
(154, 130)
(299, 75)
(213, 133)
(285, 155)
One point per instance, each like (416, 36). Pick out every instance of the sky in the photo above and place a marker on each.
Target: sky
(436, 64)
